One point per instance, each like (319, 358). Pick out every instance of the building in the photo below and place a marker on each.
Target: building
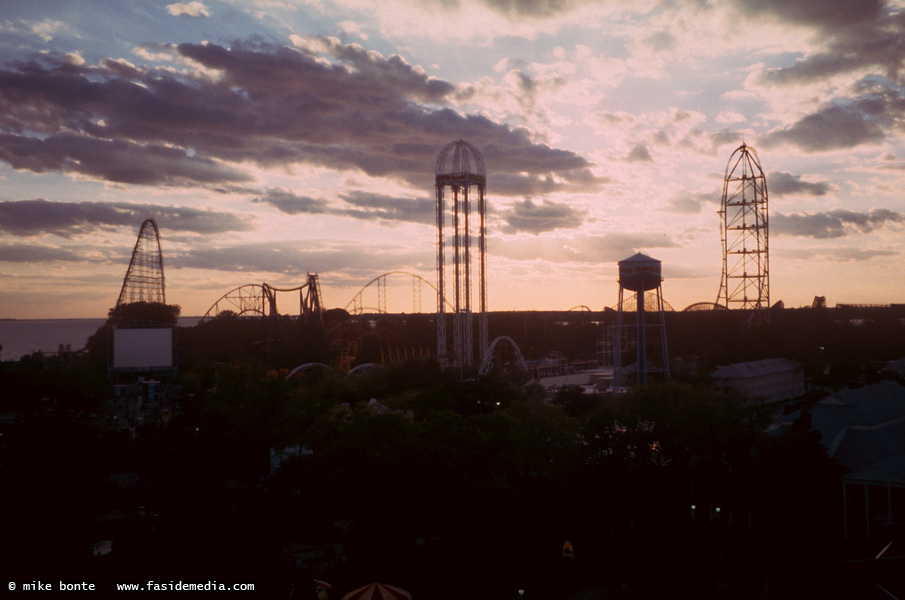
(773, 380)
(864, 430)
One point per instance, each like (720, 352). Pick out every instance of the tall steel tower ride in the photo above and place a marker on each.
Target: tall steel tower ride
(460, 174)
(745, 283)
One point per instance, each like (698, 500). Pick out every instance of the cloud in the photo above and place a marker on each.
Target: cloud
(291, 203)
(373, 206)
(870, 43)
(534, 218)
(25, 253)
(855, 71)
(113, 160)
(836, 254)
(320, 103)
(188, 9)
(594, 249)
(835, 127)
(780, 182)
(515, 9)
(47, 29)
(824, 14)
(291, 259)
(730, 117)
(639, 154)
(833, 224)
(356, 204)
(69, 219)
(689, 204)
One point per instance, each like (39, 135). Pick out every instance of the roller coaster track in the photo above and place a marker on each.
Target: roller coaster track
(356, 304)
(261, 300)
(487, 363)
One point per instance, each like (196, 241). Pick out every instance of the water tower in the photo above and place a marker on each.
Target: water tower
(645, 331)
(460, 175)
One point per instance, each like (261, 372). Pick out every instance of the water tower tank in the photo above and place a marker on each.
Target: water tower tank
(639, 273)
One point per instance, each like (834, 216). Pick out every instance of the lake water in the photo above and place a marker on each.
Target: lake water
(25, 336)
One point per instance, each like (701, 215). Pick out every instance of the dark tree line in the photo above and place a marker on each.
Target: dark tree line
(447, 486)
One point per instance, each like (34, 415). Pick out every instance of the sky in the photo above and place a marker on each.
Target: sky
(273, 138)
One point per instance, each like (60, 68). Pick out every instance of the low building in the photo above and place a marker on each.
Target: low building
(773, 380)
(864, 430)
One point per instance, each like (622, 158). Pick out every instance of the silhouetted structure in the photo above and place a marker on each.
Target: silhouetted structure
(772, 380)
(640, 274)
(460, 168)
(357, 306)
(864, 430)
(144, 280)
(745, 282)
(261, 300)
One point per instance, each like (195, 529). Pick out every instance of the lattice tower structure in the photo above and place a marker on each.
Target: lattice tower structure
(461, 182)
(144, 280)
(744, 229)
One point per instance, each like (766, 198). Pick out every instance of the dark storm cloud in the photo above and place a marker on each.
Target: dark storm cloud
(780, 182)
(68, 219)
(833, 224)
(323, 103)
(526, 216)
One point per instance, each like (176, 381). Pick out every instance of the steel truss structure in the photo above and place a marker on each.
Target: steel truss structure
(745, 282)
(518, 358)
(144, 280)
(261, 300)
(460, 173)
(357, 305)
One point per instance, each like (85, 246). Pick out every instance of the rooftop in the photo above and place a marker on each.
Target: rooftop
(745, 370)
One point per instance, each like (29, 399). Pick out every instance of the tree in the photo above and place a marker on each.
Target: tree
(145, 313)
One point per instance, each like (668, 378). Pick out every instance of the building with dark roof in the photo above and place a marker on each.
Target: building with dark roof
(864, 430)
(772, 380)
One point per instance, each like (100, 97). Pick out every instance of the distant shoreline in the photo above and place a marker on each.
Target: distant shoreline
(78, 318)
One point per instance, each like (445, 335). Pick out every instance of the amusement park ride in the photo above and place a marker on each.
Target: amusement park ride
(461, 208)
(745, 282)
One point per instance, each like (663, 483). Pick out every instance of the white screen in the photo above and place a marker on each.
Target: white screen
(142, 348)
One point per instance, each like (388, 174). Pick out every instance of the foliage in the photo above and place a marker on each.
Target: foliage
(487, 473)
(144, 313)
